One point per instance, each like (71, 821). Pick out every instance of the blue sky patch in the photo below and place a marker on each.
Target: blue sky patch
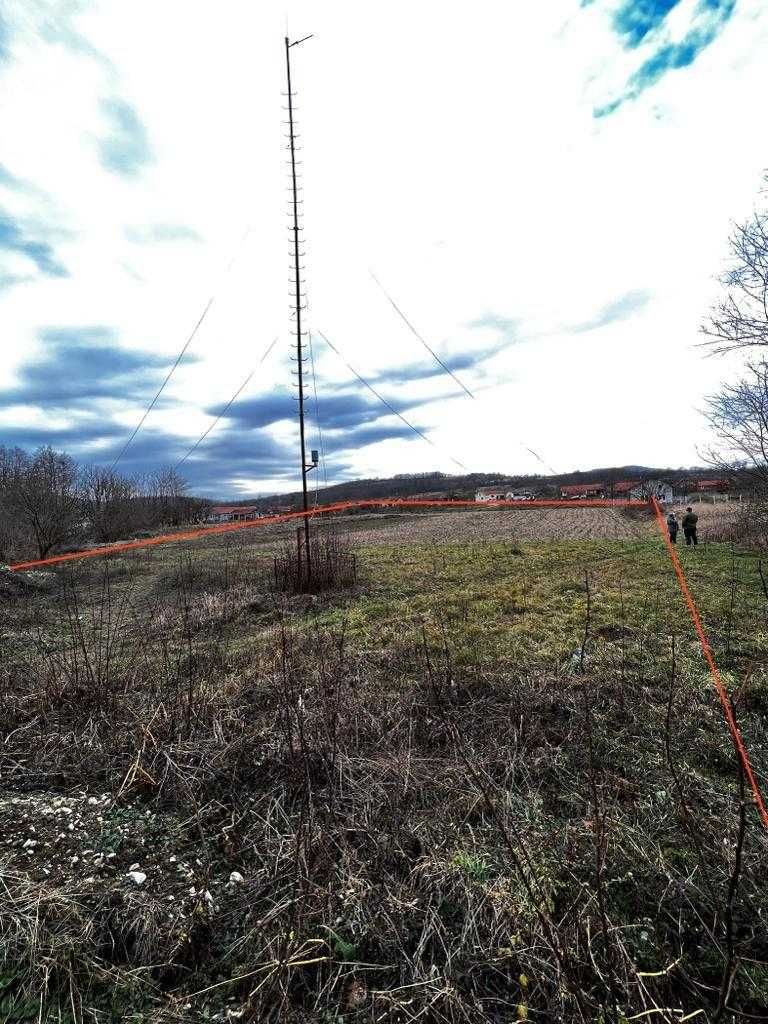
(126, 149)
(635, 19)
(709, 19)
(152, 233)
(618, 309)
(14, 238)
(4, 39)
(7, 179)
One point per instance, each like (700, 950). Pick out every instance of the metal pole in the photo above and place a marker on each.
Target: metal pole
(299, 354)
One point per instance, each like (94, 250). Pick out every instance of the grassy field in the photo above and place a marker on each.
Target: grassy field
(489, 781)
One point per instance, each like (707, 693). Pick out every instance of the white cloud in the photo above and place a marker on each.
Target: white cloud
(453, 151)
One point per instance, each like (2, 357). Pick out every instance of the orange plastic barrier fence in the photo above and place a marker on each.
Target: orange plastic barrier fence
(341, 506)
(722, 693)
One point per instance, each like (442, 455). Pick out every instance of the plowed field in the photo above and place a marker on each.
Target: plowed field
(508, 524)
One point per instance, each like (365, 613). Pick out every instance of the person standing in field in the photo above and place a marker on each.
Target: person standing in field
(672, 526)
(689, 527)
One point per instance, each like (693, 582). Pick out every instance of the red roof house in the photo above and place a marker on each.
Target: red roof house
(234, 513)
(593, 490)
(712, 485)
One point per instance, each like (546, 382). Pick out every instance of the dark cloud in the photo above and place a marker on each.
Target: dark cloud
(709, 19)
(126, 149)
(237, 454)
(73, 438)
(259, 410)
(80, 365)
(620, 309)
(162, 233)
(241, 448)
(372, 433)
(227, 457)
(16, 238)
(343, 410)
(472, 359)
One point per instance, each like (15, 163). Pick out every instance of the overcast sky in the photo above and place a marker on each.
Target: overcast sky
(545, 189)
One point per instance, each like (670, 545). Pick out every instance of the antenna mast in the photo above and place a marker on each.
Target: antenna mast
(299, 304)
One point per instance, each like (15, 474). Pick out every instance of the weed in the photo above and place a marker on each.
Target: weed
(474, 866)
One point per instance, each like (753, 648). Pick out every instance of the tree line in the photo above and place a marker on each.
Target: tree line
(49, 503)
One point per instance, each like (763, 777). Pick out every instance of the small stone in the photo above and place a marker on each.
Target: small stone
(134, 867)
(235, 878)
(92, 801)
(138, 877)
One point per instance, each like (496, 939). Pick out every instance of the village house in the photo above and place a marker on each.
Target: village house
(710, 486)
(233, 513)
(498, 492)
(621, 489)
(502, 492)
(593, 490)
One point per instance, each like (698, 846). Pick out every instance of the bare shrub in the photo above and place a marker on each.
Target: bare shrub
(332, 566)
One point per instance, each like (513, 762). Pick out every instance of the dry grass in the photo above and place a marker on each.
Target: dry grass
(485, 784)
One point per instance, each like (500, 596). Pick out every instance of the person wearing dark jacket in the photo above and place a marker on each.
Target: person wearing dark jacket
(689, 527)
(672, 525)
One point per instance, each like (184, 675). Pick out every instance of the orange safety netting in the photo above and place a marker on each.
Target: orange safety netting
(341, 506)
(722, 693)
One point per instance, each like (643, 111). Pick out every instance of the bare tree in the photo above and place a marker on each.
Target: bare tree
(108, 500)
(740, 319)
(738, 414)
(14, 463)
(165, 503)
(47, 499)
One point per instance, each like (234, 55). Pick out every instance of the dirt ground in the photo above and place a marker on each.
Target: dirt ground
(509, 524)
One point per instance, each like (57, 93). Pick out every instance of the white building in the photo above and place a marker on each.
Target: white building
(496, 493)
(501, 492)
(232, 513)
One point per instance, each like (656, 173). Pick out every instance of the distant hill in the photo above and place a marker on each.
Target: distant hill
(406, 485)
